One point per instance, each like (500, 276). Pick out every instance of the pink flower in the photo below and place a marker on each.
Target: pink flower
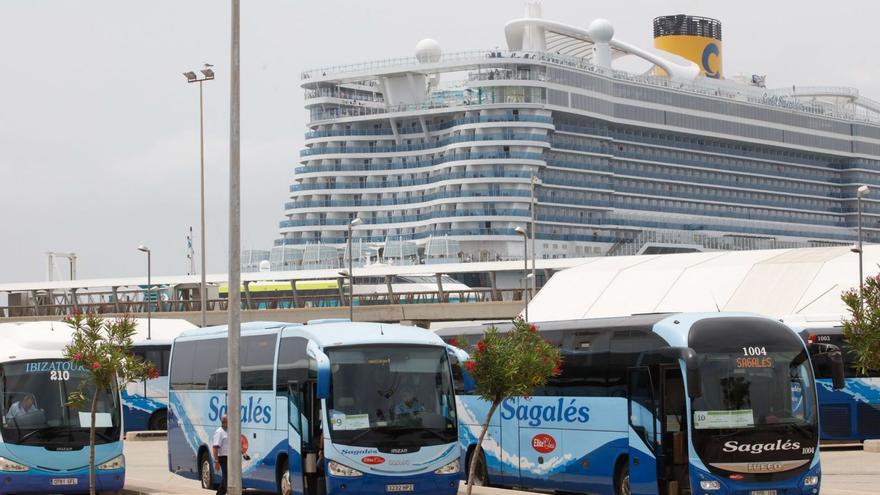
(96, 365)
(78, 356)
(453, 342)
(153, 373)
(470, 365)
(481, 346)
(533, 328)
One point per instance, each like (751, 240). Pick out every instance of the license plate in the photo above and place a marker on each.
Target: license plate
(408, 487)
(64, 481)
(763, 492)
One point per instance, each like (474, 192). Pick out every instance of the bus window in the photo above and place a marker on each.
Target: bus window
(642, 407)
(206, 362)
(257, 355)
(181, 375)
(294, 363)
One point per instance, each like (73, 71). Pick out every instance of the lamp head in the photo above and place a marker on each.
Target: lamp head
(520, 231)
(863, 190)
(190, 76)
(143, 249)
(209, 73)
(536, 181)
(355, 222)
(343, 273)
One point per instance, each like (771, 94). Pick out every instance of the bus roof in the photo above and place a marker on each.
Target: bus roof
(34, 340)
(329, 333)
(640, 320)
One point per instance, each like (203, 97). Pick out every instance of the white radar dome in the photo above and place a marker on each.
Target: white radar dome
(428, 51)
(601, 31)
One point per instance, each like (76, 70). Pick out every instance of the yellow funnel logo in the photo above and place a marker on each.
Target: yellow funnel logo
(703, 51)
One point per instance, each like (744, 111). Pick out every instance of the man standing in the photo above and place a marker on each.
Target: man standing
(221, 452)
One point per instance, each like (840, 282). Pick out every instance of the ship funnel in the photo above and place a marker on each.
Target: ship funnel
(697, 39)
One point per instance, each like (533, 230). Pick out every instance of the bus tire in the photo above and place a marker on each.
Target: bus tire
(481, 473)
(158, 421)
(284, 486)
(206, 471)
(621, 477)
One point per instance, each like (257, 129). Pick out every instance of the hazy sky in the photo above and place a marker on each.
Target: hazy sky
(99, 130)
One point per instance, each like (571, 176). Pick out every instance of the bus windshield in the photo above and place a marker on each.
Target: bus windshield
(746, 389)
(34, 410)
(391, 394)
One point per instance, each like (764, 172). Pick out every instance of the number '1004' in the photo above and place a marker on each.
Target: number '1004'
(754, 351)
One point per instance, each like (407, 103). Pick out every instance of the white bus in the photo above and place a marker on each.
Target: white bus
(385, 393)
(44, 443)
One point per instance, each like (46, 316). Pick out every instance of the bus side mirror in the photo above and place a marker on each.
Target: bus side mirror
(323, 374)
(831, 354)
(691, 363)
(836, 359)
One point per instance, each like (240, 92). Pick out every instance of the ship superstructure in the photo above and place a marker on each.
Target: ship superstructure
(442, 156)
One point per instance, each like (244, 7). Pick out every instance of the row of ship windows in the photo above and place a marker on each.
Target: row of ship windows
(679, 99)
(575, 123)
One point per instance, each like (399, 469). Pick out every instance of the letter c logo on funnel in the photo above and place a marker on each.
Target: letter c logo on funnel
(708, 51)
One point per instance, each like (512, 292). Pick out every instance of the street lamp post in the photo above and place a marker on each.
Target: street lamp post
(534, 212)
(521, 231)
(859, 193)
(191, 77)
(145, 249)
(352, 224)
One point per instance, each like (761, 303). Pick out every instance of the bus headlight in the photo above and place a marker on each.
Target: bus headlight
(337, 469)
(450, 468)
(811, 480)
(7, 465)
(710, 485)
(117, 462)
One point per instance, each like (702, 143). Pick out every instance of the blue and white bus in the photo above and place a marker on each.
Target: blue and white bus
(658, 404)
(145, 403)
(850, 414)
(384, 391)
(44, 443)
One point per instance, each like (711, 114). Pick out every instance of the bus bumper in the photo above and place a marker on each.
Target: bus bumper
(40, 481)
(422, 484)
(796, 485)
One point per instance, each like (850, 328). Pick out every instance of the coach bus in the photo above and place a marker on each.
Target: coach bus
(328, 407)
(659, 404)
(44, 443)
(850, 414)
(145, 403)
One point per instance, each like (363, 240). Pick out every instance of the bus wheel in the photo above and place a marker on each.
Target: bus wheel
(284, 480)
(481, 473)
(159, 420)
(621, 480)
(206, 471)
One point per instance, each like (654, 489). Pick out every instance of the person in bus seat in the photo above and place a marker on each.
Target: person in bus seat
(410, 406)
(26, 405)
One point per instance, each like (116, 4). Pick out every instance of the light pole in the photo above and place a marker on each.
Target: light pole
(191, 77)
(233, 363)
(352, 224)
(534, 212)
(521, 231)
(859, 193)
(145, 249)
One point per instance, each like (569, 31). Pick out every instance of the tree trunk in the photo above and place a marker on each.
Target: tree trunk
(92, 444)
(479, 448)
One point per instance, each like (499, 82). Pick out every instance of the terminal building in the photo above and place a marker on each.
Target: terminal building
(442, 156)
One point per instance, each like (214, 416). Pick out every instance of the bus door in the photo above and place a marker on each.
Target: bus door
(643, 426)
(297, 432)
(673, 451)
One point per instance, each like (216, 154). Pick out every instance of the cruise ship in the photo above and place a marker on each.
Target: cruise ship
(549, 145)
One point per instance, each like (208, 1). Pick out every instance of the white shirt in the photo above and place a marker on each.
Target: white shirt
(221, 441)
(16, 410)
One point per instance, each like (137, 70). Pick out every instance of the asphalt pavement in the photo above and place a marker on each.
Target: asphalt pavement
(846, 471)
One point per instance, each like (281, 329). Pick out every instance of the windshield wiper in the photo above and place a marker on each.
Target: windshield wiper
(45, 429)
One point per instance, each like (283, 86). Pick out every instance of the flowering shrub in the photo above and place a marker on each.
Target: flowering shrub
(862, 328)
(103, 348)
(508, 364)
